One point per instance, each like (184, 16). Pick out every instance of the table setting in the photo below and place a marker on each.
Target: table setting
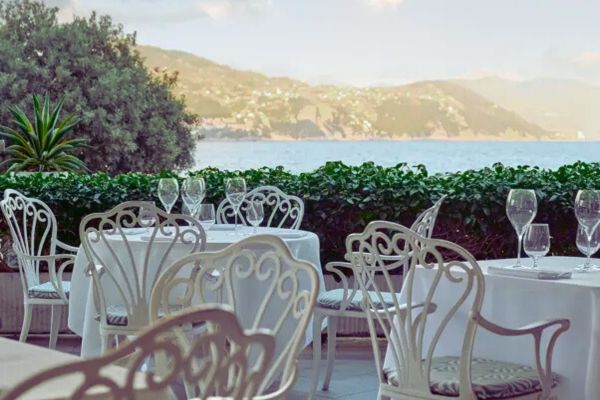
(520, 290)
(82, 320)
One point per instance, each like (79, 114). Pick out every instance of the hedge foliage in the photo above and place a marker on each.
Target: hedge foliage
(341, 199)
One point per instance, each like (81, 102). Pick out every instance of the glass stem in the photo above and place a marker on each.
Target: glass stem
(236, 213)
(588, 262)
(520, 240)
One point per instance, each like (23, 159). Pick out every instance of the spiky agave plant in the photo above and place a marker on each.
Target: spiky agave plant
(42, 145)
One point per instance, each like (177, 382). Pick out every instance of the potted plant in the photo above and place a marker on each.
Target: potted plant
(42, 145)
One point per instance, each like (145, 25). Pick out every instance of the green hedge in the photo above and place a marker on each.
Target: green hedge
(341, 199)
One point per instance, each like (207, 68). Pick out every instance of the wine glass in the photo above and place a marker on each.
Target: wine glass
(587, 211)
(537, 242)
(168, 192)
(587, 249)
(206, 215)
(147, 217)
(255, 214)
(521, 208)
(193, 191)
(235, 190)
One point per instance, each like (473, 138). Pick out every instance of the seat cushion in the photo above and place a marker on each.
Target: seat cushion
(332, 299)
(47, 291)
(490, 379)
(116, 315)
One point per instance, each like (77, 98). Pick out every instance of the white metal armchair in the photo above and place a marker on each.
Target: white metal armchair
(346, 302)
(412, 369)
(281, 210)
(124, 268)
(216, 361)
(264, 284)
(33, 230)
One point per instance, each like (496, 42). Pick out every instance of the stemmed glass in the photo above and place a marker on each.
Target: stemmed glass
(192, 193)
(255, 214)
(147, 217)
(521, 208)
(537, 242)
(588, 249)
(235, 191)
(206, 215)
(587, 211)
(168, 192)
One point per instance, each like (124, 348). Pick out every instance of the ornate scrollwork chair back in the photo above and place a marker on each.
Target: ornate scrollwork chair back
(33, 230)
(281, 210)
(413, 369)
(216, 360)
(424, 224)
(128, 266)
(258, 264)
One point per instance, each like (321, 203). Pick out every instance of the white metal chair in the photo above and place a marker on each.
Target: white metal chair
(281, 210)
(125, 270)
(216, 361)
(346, 302)
(413, 369)
(264, 284)
(33, 230)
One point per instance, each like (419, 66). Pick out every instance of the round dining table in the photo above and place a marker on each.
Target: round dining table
(83, 319)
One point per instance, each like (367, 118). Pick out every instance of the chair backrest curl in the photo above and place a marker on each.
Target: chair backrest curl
(412, 347)
(281, 210)
(129, 265)
(259, 278)
(33, 230)
(216, 360)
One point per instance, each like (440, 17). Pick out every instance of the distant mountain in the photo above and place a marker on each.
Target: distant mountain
(231, 103)
(559, 105)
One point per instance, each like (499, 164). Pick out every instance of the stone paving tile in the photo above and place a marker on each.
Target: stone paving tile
(354, 376)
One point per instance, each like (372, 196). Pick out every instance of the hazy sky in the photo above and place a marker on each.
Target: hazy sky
(367, 42)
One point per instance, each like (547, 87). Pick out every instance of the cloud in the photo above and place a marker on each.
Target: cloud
(159, 11)
(587, 59)
(381, 4)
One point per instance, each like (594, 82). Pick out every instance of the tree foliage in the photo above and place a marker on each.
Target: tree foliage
(129, 115)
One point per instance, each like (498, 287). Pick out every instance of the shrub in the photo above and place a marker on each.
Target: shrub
(341, 199)
(129, 115)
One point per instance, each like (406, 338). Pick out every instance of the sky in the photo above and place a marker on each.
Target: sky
(371, 42)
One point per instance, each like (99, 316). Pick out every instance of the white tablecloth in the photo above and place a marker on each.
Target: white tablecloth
(21, 360)
(513, 302)
(303, 245)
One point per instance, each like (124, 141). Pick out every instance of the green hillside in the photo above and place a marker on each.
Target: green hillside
(231, 103)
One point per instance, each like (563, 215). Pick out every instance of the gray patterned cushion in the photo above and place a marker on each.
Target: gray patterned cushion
(47, 291)
(490, 379)
(116, 315)
(332, 299)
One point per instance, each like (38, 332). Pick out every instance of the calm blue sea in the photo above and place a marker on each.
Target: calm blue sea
(438, 156)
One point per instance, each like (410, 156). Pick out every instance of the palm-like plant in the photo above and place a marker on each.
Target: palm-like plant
(42, 145)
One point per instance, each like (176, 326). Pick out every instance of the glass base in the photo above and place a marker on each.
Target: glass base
(583, 268)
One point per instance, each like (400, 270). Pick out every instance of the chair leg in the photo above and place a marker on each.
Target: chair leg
(331, 338)
(317, 323)
(27, 308)
(55, 324)
(105, 343)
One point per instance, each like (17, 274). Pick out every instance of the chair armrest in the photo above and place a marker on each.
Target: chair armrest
(536, 329)
(337, 268)
(66, 247)
(56, 273)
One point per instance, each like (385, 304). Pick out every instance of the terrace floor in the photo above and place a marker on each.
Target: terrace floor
(354, 376)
